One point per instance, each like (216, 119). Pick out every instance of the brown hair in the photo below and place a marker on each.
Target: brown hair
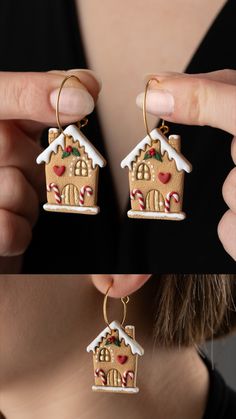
(192, 308)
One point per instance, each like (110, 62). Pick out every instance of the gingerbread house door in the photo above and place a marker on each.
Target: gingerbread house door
(114, 378)
(70, 195)
(155, 201)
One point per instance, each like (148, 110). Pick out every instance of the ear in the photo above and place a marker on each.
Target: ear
(122, 284)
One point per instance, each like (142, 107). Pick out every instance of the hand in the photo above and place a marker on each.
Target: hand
(201, 99)
(27, 106)
(122, 284)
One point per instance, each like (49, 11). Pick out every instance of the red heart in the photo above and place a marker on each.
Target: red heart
(164, 177)
(59, 170)
(122, 359)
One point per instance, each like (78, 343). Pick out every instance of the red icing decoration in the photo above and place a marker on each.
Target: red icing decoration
(111, 339)
(59, 170)
(164, 177)
(152, 152)
(69, 149)
(122, 359)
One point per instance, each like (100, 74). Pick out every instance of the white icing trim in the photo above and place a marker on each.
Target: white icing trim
(116, 389)
(181, 162)
(69, 208)
(157, 215)
(78, 136)
(115, 325)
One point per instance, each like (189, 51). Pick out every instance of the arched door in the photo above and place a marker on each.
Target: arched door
(114, 378)
(155, 201)
(70, 195)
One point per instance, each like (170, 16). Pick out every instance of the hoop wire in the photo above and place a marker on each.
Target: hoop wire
(124, 301)
(163, 128)
(79, 123)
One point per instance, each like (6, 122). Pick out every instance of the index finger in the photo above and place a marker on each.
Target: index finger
(28, 95)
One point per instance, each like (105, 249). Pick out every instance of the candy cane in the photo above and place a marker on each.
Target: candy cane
(83, 190)
(126, 375)
(175, 195)
(100, 373)
(54, 187)
(140, 198)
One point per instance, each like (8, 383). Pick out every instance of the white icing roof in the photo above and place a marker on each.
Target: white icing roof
(77, 135)
(181, 162)
(115, 325)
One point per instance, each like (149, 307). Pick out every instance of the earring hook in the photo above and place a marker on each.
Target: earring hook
(79, 123)
(163, 128)
(124, 300)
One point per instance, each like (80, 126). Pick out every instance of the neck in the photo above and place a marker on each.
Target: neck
(58, 384)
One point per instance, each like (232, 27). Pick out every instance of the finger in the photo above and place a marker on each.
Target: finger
(122, 285)
(233, 150)
(33, 96)
(17, 195)
(194, 101)
(15, 234)
(227, 233)
(17, 150)
(228, 190)
(225, 76)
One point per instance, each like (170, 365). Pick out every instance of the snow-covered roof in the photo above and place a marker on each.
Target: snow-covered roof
(115, 325)
(77, 135)
(181, 162)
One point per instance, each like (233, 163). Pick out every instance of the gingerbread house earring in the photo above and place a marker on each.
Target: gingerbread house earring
(115, 355)
(72, 167)
(156, 173)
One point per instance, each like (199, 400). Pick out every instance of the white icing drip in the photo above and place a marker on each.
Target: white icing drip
(59, 208)
(181, 162)
(115, 325)
(78, 136)
(156, 215)
(116, 389)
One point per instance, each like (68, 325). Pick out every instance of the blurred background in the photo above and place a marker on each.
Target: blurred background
(223, 353)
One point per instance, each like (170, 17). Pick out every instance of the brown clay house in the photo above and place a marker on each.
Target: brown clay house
(115, 357)
(72, 166)
(156, 177)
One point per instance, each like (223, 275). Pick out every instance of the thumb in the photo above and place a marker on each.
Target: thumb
(33, 96)
(193, 101)
(122, 285)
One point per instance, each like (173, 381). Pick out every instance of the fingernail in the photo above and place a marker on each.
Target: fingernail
(158, 102)
(93, 74)
(73, 101)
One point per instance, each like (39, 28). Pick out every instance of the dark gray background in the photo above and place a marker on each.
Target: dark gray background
(224, 358)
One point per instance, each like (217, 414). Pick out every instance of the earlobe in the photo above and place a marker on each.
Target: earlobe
(122, 284)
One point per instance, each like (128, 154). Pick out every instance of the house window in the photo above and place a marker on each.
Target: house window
(143, 172)
(104, 355)
(81, 168)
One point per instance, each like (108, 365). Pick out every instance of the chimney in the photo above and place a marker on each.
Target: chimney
(130, 331)
(53, 133)
(175, 142)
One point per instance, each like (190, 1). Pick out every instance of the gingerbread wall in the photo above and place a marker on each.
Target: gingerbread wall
(157, 169)
(68, 178)
(116, 354)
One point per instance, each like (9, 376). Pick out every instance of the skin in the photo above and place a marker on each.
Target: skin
(50, 322)
(26, 108)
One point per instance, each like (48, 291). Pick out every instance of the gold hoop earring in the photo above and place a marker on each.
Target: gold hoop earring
(72, 165)
(124, 300)
(156, 173)
(115, 354)
(78, 123)
(163, 128)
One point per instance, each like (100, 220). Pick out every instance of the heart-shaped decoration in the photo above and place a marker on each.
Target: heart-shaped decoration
(122, 359)
(164, 177)
(59, 170)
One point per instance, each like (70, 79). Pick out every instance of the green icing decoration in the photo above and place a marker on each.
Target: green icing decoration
(152, 153)
(65, 154)
(75, 152)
